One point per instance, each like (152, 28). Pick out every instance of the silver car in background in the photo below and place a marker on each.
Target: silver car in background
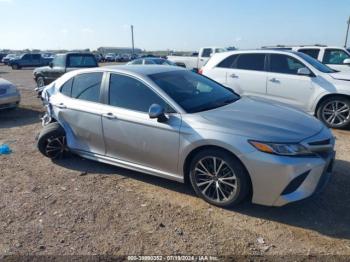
(9, 95)
(172, 123)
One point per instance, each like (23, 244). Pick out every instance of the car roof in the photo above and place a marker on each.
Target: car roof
(152, 58)
(255, 51)
(217, 58)
(75, 53)
(137, 70)
(142, 69)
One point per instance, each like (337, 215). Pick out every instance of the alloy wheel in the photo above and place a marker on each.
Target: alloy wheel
(215, 179)
(336, 113)
(56, 147)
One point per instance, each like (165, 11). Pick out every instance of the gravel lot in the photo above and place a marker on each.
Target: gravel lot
(80, 207)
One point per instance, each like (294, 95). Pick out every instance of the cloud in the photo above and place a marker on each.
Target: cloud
(64, 31)
(6, 1)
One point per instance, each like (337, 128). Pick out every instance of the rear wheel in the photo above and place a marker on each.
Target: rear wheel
(219, 178)
(52, 141)
(335, 112)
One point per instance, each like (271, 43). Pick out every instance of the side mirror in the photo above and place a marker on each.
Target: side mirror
(304, 71)
(51, 64)
(346, 61)
(157, 111)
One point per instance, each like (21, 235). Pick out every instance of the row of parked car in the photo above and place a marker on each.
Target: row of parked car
(18, 61)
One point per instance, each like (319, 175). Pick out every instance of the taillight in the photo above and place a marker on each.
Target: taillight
(200, 71)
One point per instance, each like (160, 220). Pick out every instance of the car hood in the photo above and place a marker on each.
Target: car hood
(261, 120)
(4, 83)
(341, 76)
(42, 68)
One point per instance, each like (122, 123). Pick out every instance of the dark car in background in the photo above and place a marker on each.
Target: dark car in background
(2, 55)
(99, 58)
(28, 60)
(7, 58)
(61, 64)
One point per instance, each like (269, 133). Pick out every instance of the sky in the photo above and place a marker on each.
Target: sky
(170, 24)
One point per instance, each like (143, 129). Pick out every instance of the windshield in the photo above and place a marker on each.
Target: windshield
(315, 63)
(193, 92)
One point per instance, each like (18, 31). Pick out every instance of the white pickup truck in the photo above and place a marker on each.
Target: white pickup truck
(196, 62)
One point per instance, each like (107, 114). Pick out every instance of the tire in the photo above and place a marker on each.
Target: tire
(52, 141)
(334, 112)
(15, 67)
(230, 169)
(40, 81)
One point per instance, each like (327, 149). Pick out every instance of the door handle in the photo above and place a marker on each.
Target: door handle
(274, 80)
(61, 106)
(109, 116)
(234, 76)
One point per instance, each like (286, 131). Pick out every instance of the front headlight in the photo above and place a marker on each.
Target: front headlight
(283, 149)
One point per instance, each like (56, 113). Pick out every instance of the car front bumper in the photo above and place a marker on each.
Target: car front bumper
(279, 180)
(9, 100)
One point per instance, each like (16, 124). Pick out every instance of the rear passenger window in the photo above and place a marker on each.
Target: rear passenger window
(228, 62)
(66, 89)
(311, 52)
(285, 64)
(87, 87)
(149, 62)
(137, 62)
(254, 62)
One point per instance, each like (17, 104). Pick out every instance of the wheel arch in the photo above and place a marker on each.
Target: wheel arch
(38, 75)
(191, 154)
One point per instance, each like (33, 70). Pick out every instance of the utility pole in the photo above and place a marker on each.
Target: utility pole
(347, 33)
(132, 39)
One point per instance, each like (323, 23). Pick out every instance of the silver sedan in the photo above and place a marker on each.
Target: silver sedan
(173, 123)
(9, 95)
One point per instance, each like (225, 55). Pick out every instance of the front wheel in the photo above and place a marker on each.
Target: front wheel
(52, 141)
(219, 178)
(335, 112)
(40, 81)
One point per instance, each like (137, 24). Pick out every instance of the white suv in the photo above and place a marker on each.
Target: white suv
(337, 58)
(289, 77)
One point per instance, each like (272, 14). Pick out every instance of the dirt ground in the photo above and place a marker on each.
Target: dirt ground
(79, 207)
